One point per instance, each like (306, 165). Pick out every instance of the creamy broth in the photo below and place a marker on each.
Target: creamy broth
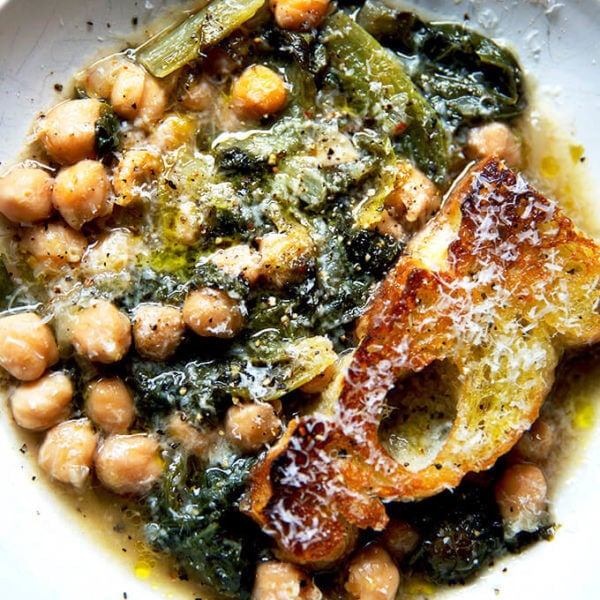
(115, 523)
(553, 163)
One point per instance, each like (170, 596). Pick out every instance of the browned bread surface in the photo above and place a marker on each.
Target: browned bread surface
(457, 353)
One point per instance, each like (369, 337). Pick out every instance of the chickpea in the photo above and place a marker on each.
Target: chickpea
(55, 244)
(276, 580)
(299, 15)
(67, 452)
(102, 333)
(132, 177)
(414, 197)
(372, 575)
(136, 94)
(387, 225)
(285, 257)
(251, 426)
(26, 195)
(536, 444)
(172, 132)
(41, 404)
(27, 346)
(212, 313)
(521, 497)
(109, 404)
(100, 77)
(112, 253)
(195, 441)
(188, 223)
(68, 131)
(258, 92)
(239, 260)
(129, 464)
(494, 139)
(199, 95)
(82, 193)
(157, 330)
(128, 90)
(399, 538)
(154, 100)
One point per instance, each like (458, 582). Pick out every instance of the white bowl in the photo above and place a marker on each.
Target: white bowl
(47, 549)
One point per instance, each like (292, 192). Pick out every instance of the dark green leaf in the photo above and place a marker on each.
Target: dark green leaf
(194, 515)
(379, 89)
(107, 132)
(466, 76)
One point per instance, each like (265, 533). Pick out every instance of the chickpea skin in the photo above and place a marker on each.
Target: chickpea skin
(68, 131)
(276, 580)
(54, 243)
(41, 404)
(521, 497)
(251, 426)
(27, 346)
(129, 464)
(299, 15)
(82, 193)
(212, 313)
(109, 404)
(372, 575)
(102, 333)
(157, 330)
(67, 452)
(26, 195)
(258, 92)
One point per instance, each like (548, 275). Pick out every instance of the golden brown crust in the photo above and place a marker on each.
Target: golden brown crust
(492, 291)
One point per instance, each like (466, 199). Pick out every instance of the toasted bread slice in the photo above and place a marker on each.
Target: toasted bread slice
(482, 306)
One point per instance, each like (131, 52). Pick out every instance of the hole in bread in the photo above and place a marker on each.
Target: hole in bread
(419, 415)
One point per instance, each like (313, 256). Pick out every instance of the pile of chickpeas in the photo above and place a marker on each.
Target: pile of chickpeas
(52, 206)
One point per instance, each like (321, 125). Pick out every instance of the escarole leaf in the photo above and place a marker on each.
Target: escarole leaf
(194, 515)
(290, 364)
(264, 369)
(175, 48)
(466, 76)
(106, 129)
(368, 210)
(378, 88)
